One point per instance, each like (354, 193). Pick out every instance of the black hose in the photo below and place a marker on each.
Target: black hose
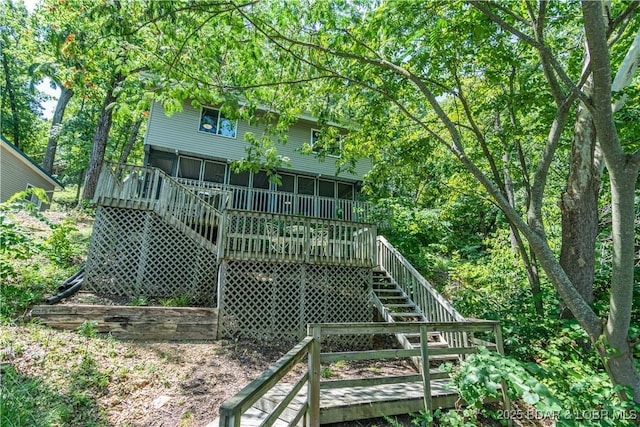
(68, 288)
(71, 280)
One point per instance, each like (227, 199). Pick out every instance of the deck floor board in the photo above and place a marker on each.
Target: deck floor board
(352, 403)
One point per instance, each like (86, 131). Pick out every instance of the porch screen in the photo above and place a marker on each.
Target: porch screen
(261, 197)
(240, 192)
(189, 168)
(214, 172)
(306, 200)
(284, 196)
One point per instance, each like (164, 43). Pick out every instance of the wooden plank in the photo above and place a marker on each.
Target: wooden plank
(339, 404)
(408, 327)
(258, 387)
(150, 323)
(346, 404)
(368, 355)
(360, 382)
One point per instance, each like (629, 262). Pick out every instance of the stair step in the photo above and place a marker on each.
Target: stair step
(384, 298)
(413, 314)
(431, 345)
(429, 335)
(408, 305)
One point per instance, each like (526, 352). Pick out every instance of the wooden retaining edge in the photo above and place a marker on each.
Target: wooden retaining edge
(138, 323)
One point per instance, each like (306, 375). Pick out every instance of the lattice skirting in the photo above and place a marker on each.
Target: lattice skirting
(271, 300)
(135, 253)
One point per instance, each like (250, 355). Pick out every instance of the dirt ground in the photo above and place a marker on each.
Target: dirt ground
(157, 383)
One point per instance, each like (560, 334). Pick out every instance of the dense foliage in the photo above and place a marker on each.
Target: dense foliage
(480, 118)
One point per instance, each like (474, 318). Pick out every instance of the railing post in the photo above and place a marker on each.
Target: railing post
(313, 394)
(497, 330)
(426, 375)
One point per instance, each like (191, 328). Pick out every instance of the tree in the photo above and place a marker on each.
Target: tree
(20, 102)
(423, 59)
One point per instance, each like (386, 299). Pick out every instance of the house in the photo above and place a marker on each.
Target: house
(198, 145)
(18, 172)
(271, 258)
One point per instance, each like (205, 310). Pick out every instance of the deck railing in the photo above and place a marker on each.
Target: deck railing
(309, 413)
(138, 187)
(280, 202)
(259, 236)
(128, 186)
(432, 304)
(232, 410)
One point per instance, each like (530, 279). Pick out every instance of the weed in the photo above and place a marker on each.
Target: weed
(88, 329)
(139, 302)
(179, 301)
(326, 372)
(58, 246)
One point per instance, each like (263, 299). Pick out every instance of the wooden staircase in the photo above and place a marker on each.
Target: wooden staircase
(392, 302)
(145, 188)
(396, 306)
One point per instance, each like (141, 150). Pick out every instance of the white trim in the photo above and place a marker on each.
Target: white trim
(340, 138)
(235, 132)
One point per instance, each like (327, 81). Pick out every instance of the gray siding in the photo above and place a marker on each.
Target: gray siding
(180, 132)
(15, 175)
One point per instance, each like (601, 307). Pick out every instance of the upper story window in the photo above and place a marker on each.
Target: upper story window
(213, 121)
(331, 146)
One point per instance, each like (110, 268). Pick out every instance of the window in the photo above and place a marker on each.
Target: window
(345, 191)
(261, 180)
(189, 168)
(239, 178)
(306, 186)
(326, 188)
(213, 121)
(214, 172)
(33, 198)
(162, 160)
(331, 145)
(288, 183)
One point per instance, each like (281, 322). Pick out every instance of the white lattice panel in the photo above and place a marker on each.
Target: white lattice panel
(135, 253)
(271, 300)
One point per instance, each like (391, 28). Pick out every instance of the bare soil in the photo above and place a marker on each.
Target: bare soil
(156, 383)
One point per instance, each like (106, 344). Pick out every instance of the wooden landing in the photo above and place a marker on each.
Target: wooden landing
(352, 403)
(131, 322)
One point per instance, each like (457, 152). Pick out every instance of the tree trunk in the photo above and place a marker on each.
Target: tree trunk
(133, 136)
(579, 205)
(79, 181)
(623, 170)
(99, 146)
(52, 144)
(618, 353)
(12, 101)
(517, 245)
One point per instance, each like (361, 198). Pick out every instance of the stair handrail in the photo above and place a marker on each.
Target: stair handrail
(159, 192)
(423, 294)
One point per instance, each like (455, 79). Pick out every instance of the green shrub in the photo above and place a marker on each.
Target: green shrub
(58, 246)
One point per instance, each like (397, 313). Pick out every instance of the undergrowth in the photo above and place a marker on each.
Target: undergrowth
(36, 254)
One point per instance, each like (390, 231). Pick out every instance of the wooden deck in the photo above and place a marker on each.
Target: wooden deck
(351, 403)
(311, 401)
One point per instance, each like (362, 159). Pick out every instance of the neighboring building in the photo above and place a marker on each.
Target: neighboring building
(18, 172)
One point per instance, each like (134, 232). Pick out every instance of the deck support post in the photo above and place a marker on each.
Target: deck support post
(314, 377)
(426, 380)
(505, 396)
(144, 254)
